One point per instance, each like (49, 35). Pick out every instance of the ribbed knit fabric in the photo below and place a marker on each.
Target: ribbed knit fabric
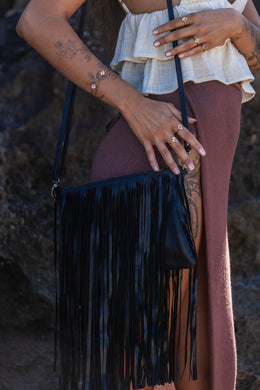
(217, 109)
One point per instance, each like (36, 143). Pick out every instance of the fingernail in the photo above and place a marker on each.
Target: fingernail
(155, 32)
(202, 151)
(181, 55)
(156, 168)
(156, 43)
(191, 167)
(168, 54)
(176, 171)
(192, 119)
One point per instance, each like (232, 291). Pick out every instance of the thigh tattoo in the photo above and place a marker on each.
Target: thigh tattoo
(193, 192)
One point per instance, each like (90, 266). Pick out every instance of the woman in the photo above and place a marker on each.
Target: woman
(219, 42)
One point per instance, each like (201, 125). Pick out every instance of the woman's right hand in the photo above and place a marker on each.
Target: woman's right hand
(155, 123)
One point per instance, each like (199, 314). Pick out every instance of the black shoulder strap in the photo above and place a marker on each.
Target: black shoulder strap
(180, 79)
(65, 128)
(61, 152)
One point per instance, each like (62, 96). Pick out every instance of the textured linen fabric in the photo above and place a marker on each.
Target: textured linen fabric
(148, 69)
(216, 107)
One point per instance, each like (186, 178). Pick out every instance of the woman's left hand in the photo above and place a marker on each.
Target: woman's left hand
(202, 31)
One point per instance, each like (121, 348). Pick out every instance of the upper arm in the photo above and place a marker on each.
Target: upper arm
(64, 8)
(251, 13)
(38, 13)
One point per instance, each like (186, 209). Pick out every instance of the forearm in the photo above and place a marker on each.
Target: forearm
(247, 41)
(55, 40)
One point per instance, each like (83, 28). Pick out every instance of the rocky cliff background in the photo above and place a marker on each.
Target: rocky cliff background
(31, 103)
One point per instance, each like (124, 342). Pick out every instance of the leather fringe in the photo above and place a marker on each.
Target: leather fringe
(115, 294)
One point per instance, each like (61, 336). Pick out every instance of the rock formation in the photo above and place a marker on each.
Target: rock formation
(31, 104)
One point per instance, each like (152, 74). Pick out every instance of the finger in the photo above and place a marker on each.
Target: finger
(175, 36)
(181, 153)
(184, 47)
(166, 155)
(174, 24)
(151, 156)
(192, 52)
(187, 136)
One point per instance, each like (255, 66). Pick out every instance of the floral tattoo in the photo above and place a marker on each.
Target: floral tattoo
(70, 49)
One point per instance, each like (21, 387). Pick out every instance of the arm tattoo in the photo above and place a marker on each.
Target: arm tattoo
(67, 50)
(104, 73)
(253, 57)
(70, 49)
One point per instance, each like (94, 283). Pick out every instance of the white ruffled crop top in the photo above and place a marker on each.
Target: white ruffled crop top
(147, 68)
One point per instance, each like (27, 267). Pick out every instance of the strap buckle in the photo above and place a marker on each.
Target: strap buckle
(54, 188)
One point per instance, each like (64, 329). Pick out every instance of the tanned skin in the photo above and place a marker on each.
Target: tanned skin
(253, 54)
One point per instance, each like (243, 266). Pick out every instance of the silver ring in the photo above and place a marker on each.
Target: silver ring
(185, 19)
(179, 128)
(173, 140)
(197, 40)
(204, 47)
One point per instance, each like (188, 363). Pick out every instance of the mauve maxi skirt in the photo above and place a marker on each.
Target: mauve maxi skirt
(216, 107)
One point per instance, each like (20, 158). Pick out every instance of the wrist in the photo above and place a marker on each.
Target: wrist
(237, 23)
(129, 101)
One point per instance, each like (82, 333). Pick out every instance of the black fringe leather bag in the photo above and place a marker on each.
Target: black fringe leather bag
(123, 245)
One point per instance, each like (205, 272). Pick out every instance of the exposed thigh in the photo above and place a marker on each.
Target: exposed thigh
(192, 184)
(193, 192)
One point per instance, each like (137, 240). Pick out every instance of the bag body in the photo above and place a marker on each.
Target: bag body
(123, 245)
(157, 197)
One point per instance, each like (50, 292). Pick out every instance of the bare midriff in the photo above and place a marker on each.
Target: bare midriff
(142, 6)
